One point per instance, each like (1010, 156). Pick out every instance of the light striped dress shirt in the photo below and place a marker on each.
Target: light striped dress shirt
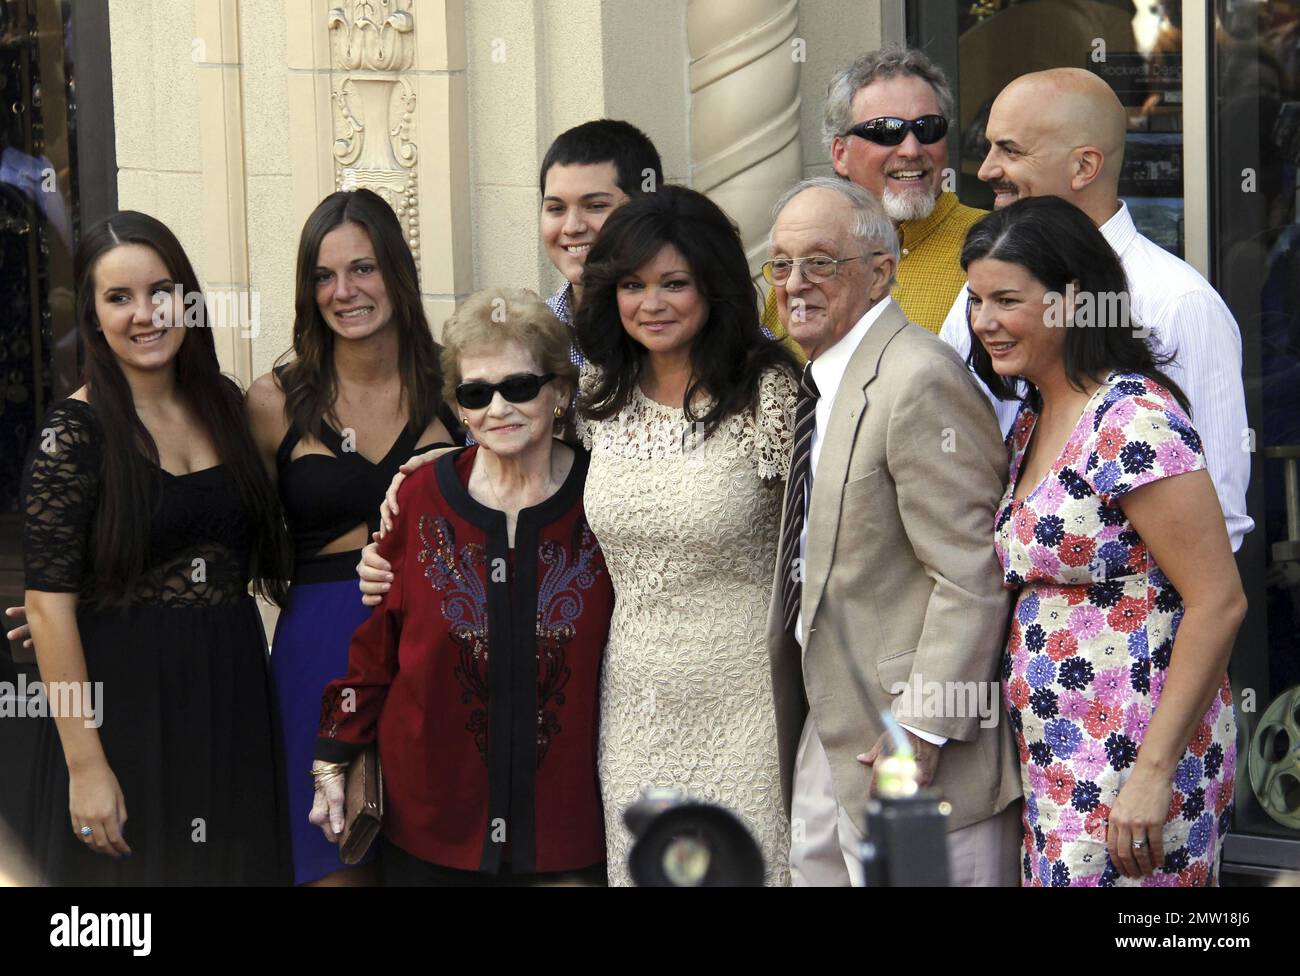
(1187, 319)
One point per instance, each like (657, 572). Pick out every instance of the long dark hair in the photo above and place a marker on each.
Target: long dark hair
(1059, 245)
(309, 380)
(129, 490)
(729, 353)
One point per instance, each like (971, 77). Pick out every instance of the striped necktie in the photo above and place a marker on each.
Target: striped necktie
(796, 495)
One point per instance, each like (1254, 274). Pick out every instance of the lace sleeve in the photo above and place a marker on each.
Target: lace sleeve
(60, 495)
(587, 377)
(774, 422)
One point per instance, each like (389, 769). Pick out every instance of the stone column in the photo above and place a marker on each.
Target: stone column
(744, 114)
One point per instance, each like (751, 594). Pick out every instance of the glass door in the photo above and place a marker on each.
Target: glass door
(38, 219)
(1135, 48)
(1255, 184)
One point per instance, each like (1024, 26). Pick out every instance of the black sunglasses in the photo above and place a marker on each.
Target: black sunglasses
(889, 131)
(519, 388)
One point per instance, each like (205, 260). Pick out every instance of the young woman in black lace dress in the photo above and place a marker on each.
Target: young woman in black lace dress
(147, 513)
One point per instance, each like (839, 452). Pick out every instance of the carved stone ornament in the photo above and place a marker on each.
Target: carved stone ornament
(372, 42)
(373, 35)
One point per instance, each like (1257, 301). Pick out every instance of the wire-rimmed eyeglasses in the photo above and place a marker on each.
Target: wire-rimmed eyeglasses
(817, 268)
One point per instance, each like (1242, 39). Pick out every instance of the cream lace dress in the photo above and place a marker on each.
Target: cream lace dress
(689, 531)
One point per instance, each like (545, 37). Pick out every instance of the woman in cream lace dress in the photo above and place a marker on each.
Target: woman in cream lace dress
(686, 504)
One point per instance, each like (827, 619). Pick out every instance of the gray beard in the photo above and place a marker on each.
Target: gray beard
(916, 205)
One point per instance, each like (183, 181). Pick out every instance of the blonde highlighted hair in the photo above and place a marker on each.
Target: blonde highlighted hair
(490, 318)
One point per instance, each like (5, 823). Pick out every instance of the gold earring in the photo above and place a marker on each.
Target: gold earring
(464, 421)
(559, 410)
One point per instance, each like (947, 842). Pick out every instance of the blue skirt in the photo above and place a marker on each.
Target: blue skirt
(311, 650)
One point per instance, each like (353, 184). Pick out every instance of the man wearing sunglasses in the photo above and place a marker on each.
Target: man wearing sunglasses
(885, 126)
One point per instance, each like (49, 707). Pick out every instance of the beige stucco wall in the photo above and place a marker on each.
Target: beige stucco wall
(156, 112)
(272, 223)
(181, 136)
(226, 128)
(538, 67)
(502, 42)
(836, 32)
(645, 76)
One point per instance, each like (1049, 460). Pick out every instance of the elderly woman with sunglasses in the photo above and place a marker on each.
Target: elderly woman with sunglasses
(479, 671)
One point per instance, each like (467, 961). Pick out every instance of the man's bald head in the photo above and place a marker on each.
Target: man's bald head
(1058, 132)
(1075, 102)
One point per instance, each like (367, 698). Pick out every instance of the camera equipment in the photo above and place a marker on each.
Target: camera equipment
(907, 838)
(686, 843)
(1274, 759)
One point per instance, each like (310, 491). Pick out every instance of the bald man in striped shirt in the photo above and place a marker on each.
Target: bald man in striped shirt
(1061, 132)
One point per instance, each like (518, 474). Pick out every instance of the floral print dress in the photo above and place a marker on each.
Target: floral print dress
(1090, 643)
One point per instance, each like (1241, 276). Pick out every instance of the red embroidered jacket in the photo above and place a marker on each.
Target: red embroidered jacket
(480, 673)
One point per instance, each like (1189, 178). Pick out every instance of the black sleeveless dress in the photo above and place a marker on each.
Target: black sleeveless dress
(179, 672)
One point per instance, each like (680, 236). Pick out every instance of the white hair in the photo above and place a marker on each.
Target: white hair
(870, 226)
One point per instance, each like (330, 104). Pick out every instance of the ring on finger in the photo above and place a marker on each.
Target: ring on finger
(86, 833)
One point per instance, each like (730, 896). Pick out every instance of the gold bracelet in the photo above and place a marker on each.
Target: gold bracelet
(329, 769)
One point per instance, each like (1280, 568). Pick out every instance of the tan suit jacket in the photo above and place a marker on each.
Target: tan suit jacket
(900, 579)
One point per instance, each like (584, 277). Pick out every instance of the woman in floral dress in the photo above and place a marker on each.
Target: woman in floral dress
(1114, 678)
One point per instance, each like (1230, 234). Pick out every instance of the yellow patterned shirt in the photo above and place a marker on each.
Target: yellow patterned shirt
(929, 273)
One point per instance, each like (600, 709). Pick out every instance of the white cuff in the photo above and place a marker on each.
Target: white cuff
(930, 737)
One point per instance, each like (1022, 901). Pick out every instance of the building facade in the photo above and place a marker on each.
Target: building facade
(230, 119)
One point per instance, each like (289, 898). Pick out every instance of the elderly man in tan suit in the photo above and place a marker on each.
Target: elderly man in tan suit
(887, 594)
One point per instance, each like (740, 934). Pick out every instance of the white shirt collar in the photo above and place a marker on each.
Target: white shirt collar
(828, 368)
(1119, 230)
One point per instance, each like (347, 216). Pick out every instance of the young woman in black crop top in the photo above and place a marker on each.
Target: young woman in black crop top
(361, 394)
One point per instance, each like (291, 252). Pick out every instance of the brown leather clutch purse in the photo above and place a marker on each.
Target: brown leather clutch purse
(363, 805)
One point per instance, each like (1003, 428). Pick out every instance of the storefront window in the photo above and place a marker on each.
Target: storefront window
(45, 159)
(1255, 123)
(1138, 52)
(38, 221)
